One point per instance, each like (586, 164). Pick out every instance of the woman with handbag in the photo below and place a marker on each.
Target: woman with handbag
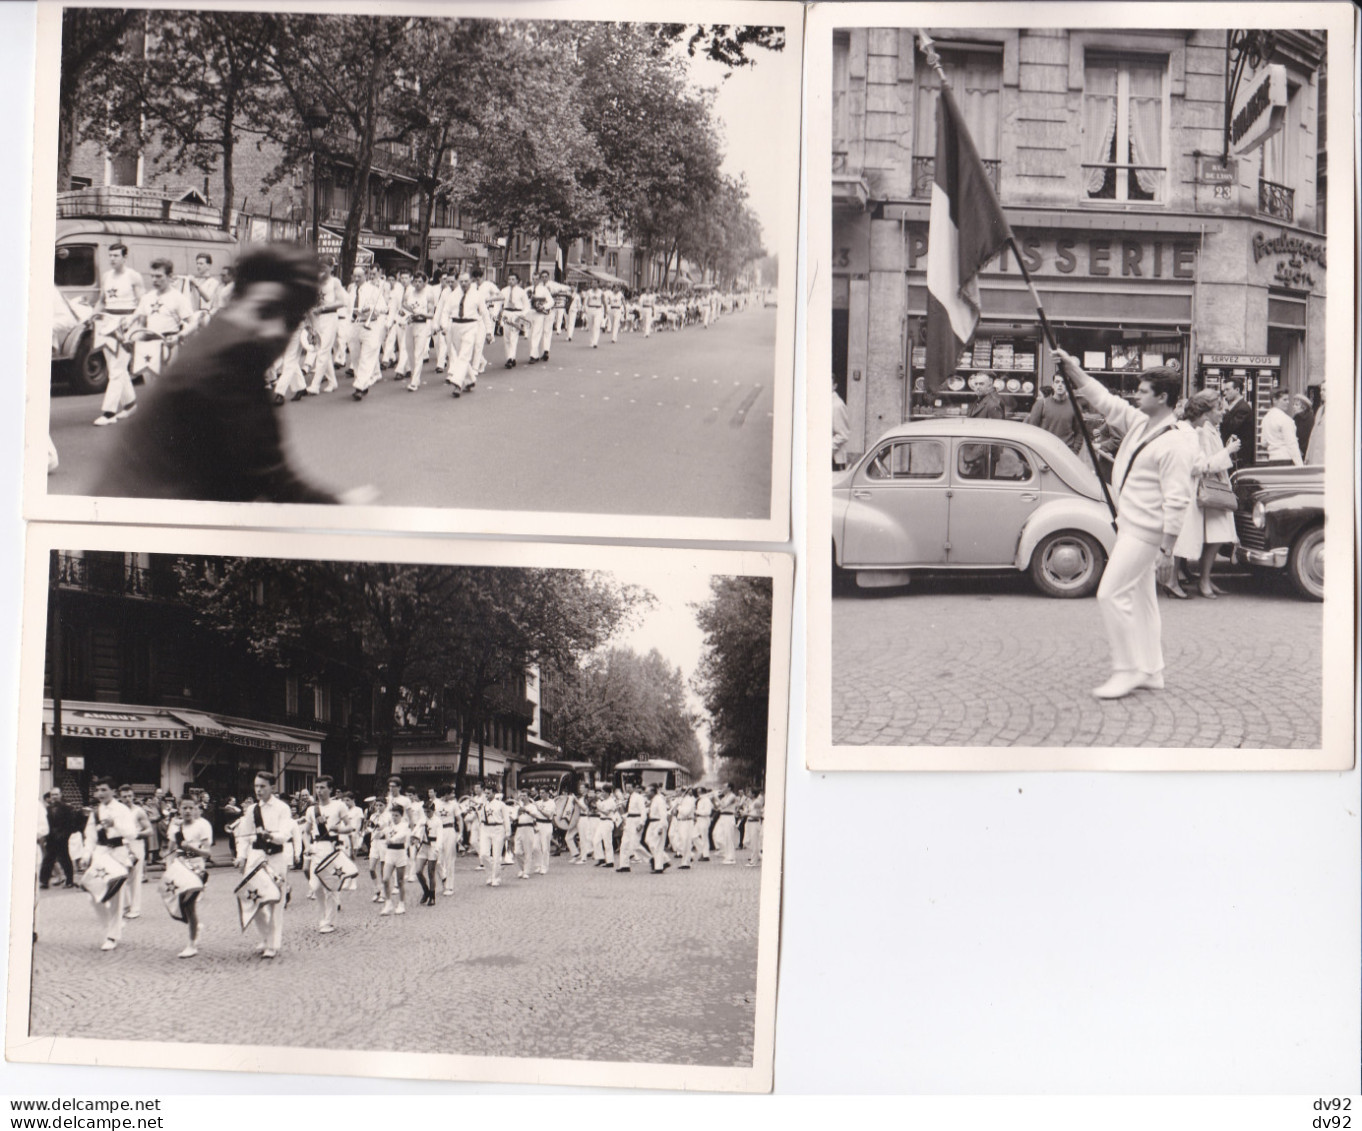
(1210, 518)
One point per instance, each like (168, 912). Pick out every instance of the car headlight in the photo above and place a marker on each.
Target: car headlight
(1259, 515)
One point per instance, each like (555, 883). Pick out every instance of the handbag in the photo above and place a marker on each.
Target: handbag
(1214, 493)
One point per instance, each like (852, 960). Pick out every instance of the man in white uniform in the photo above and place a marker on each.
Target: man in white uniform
(120, 291)
(514, 316)
(655, 840)
(496, 824)
(635, 812)
(541, 320)
(421, 302)
(164, 311)
(594, 301)
(447, 814)
(685, 826)
(603, 834)
(203, 287)
(331, 300)
(463, 316)
(264, 833)
(369, 328)
(326, 824)
(491, 297)
(111, 829)
(614, 307)
(647, 301)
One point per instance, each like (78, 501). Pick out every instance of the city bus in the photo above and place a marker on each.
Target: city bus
(556, 777)
(651, 771)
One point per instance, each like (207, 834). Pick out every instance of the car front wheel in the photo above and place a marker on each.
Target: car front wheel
(1305, 566)
(1068, 564)
(89, 370)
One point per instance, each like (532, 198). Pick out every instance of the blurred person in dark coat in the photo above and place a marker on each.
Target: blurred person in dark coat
(207, 429)
(61, 823)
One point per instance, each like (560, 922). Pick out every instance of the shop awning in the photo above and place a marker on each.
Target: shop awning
(241, 732)
(329, 243)
(449, 246)
(114, 720)
(1108, 308)
(394, 257)
(595, 273)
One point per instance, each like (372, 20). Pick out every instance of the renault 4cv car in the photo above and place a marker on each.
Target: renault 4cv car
(1280, 523)
(955, 493)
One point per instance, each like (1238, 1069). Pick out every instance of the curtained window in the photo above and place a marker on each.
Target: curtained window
(976, 78)
(1124, 126)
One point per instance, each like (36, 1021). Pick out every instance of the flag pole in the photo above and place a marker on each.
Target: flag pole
(934, 61)
(1068, 385)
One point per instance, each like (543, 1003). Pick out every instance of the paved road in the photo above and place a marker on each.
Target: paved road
(583, 963)
(679, 423)
(956, 661)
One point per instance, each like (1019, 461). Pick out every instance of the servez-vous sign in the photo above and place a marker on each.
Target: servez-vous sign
(1129, 257)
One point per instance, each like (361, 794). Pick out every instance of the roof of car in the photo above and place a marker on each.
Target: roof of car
(142, 228)
(1074, 471)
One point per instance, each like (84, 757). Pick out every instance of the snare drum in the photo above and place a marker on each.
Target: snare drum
(105, 876)
(336, 871)
(258, 889)
(179, 881)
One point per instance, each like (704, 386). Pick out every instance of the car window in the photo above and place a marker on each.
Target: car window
(908, 459)
(76, 266)
(994, 462)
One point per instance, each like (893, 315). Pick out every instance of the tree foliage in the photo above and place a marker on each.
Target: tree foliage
(462, 629)
(734, 677)
(621, 705)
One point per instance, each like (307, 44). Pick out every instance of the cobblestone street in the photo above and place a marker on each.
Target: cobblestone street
(986, 661)
(582, 963)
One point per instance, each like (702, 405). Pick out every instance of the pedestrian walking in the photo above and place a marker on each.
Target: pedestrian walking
(61, 823)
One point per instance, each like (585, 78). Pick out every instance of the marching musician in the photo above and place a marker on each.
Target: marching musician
(132, 890)
(396, 834)
(427, 837)
(656, 825)
(331, 299)
(704, 822)
(726, 829)
(647, 302)
(367, 334)
(526, 834)
(326, 823)
(463, 316)
(496, 825)
(756, 806)
(474, 818)
(514, 316)
(110, 832)
(120, 290)
(567, 816)
(543, 838)
(594, 302)
(191, 843)
(614, 310)
(685, 825)
(541, 318)
(420, 304)
(635, 813)
(491, 297)
(603, 833)
(396, 345)
(264, 832)
(450, 822)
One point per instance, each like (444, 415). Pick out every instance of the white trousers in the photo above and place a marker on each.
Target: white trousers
(595, 318)
(726, 837)
(328, 901)
(647, 321)
(603, 840)
(479, 346)
(420, 347)
(366, 363)
(510, 336)
(685, 836)
(449, 848)
(1130, 606)
(631, 845)
(118, 394)
(324, 368)
(345, 335)
(291, 368)
(491, 846)
(541, 333)
(462, 338)
(615, 318)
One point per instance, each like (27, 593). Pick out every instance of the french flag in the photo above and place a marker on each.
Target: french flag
(967, 228)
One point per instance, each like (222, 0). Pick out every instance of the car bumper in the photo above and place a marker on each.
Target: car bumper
(1272, 559)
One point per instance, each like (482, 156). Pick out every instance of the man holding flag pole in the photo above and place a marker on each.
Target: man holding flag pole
(967, 229)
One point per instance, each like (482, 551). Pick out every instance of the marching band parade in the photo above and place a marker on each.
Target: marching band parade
(399, 322)
(403, 837)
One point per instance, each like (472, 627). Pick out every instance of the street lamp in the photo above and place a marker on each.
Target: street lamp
(316, 121)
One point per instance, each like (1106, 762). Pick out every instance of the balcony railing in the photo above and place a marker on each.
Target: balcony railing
(1277, 200)
(106, 575)
(924, 175)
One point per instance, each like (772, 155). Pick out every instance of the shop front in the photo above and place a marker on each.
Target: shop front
(231, 751)
(1122, 293)
(434, 766)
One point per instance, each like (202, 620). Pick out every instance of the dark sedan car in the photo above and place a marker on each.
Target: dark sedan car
(1280, 522)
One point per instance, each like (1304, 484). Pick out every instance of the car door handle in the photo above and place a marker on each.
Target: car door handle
(861, 494)
(1029, 496)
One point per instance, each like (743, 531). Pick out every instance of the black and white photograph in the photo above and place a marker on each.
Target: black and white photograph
(451, 270)
(482, 812)
(1069, 394)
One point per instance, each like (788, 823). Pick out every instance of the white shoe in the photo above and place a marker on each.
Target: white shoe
(124, 413)
(259, 948)
(401, 909)
(1153, 681)
(1119, 685)
(107, 418)
(268, 953)
(496, 883)
(490, 882)
(325, 929)
(188, 951)
(132, 915)
(108, 944)
(387, 909)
